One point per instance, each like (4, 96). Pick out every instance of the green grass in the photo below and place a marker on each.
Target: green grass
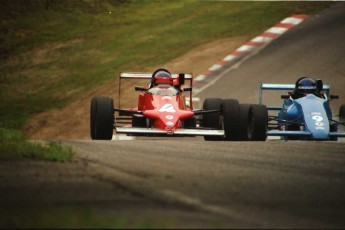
(81, 217)
(14, 145)
(58, 53)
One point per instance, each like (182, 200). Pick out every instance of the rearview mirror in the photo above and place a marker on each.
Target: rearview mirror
(187, 89)
(334, 96)
(139, 88)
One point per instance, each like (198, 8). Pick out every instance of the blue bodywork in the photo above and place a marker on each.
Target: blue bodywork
(311, 113)
(308, 117)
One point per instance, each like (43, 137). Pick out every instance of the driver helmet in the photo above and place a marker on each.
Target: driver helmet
(306, 86)
(163, 77)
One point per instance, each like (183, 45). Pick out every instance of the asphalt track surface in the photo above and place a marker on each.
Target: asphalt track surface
(270, 184)
(186, 182)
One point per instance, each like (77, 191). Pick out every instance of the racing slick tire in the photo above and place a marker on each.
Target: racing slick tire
(294, 127)
(102, 118)
(244, 121)
(212, 120)
(333, 128)
(189, 123)
(342, 118)
(231, 119)
(342, 113)
(138, 121)
(258, 121)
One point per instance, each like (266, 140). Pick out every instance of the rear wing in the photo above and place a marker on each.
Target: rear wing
(149, 76)
(269, 86)
(284, 87)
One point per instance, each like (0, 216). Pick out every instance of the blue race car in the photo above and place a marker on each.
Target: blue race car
(305, 114)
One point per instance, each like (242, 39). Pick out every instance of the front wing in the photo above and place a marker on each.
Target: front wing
(178, 132)
(300, 133)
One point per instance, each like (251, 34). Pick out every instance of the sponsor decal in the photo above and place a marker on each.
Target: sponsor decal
(169, 117)
(169, 108)
(315, 113)
(169, 123)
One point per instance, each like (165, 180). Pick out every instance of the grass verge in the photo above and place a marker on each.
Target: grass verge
(14, 145)
(83, 217)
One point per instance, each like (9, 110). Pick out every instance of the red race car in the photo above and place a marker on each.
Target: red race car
(162, 110)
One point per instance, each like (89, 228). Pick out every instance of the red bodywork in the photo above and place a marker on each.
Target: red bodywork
(165, 105)
(163, 109)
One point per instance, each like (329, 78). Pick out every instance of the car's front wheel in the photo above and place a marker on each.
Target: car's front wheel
(102, 118)
(244, 122)
(231, 119)
(257, 123)
(212, 120)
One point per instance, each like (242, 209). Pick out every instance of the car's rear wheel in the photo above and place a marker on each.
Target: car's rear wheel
(212, 120)
(333, 128)
(258, 121)
(189, 123)
(293, 127)
(231, 119)
(102, 118)
(342, 113)
(341, 127)
(138, 121)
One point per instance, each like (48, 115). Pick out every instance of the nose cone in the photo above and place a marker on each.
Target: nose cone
(168, 116)
(315, 116)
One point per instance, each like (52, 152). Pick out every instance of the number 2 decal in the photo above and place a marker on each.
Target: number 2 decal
(318, 121)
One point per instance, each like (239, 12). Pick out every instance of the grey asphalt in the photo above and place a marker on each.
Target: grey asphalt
(271, 184)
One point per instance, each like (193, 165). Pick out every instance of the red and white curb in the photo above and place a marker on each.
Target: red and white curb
(254, 44)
